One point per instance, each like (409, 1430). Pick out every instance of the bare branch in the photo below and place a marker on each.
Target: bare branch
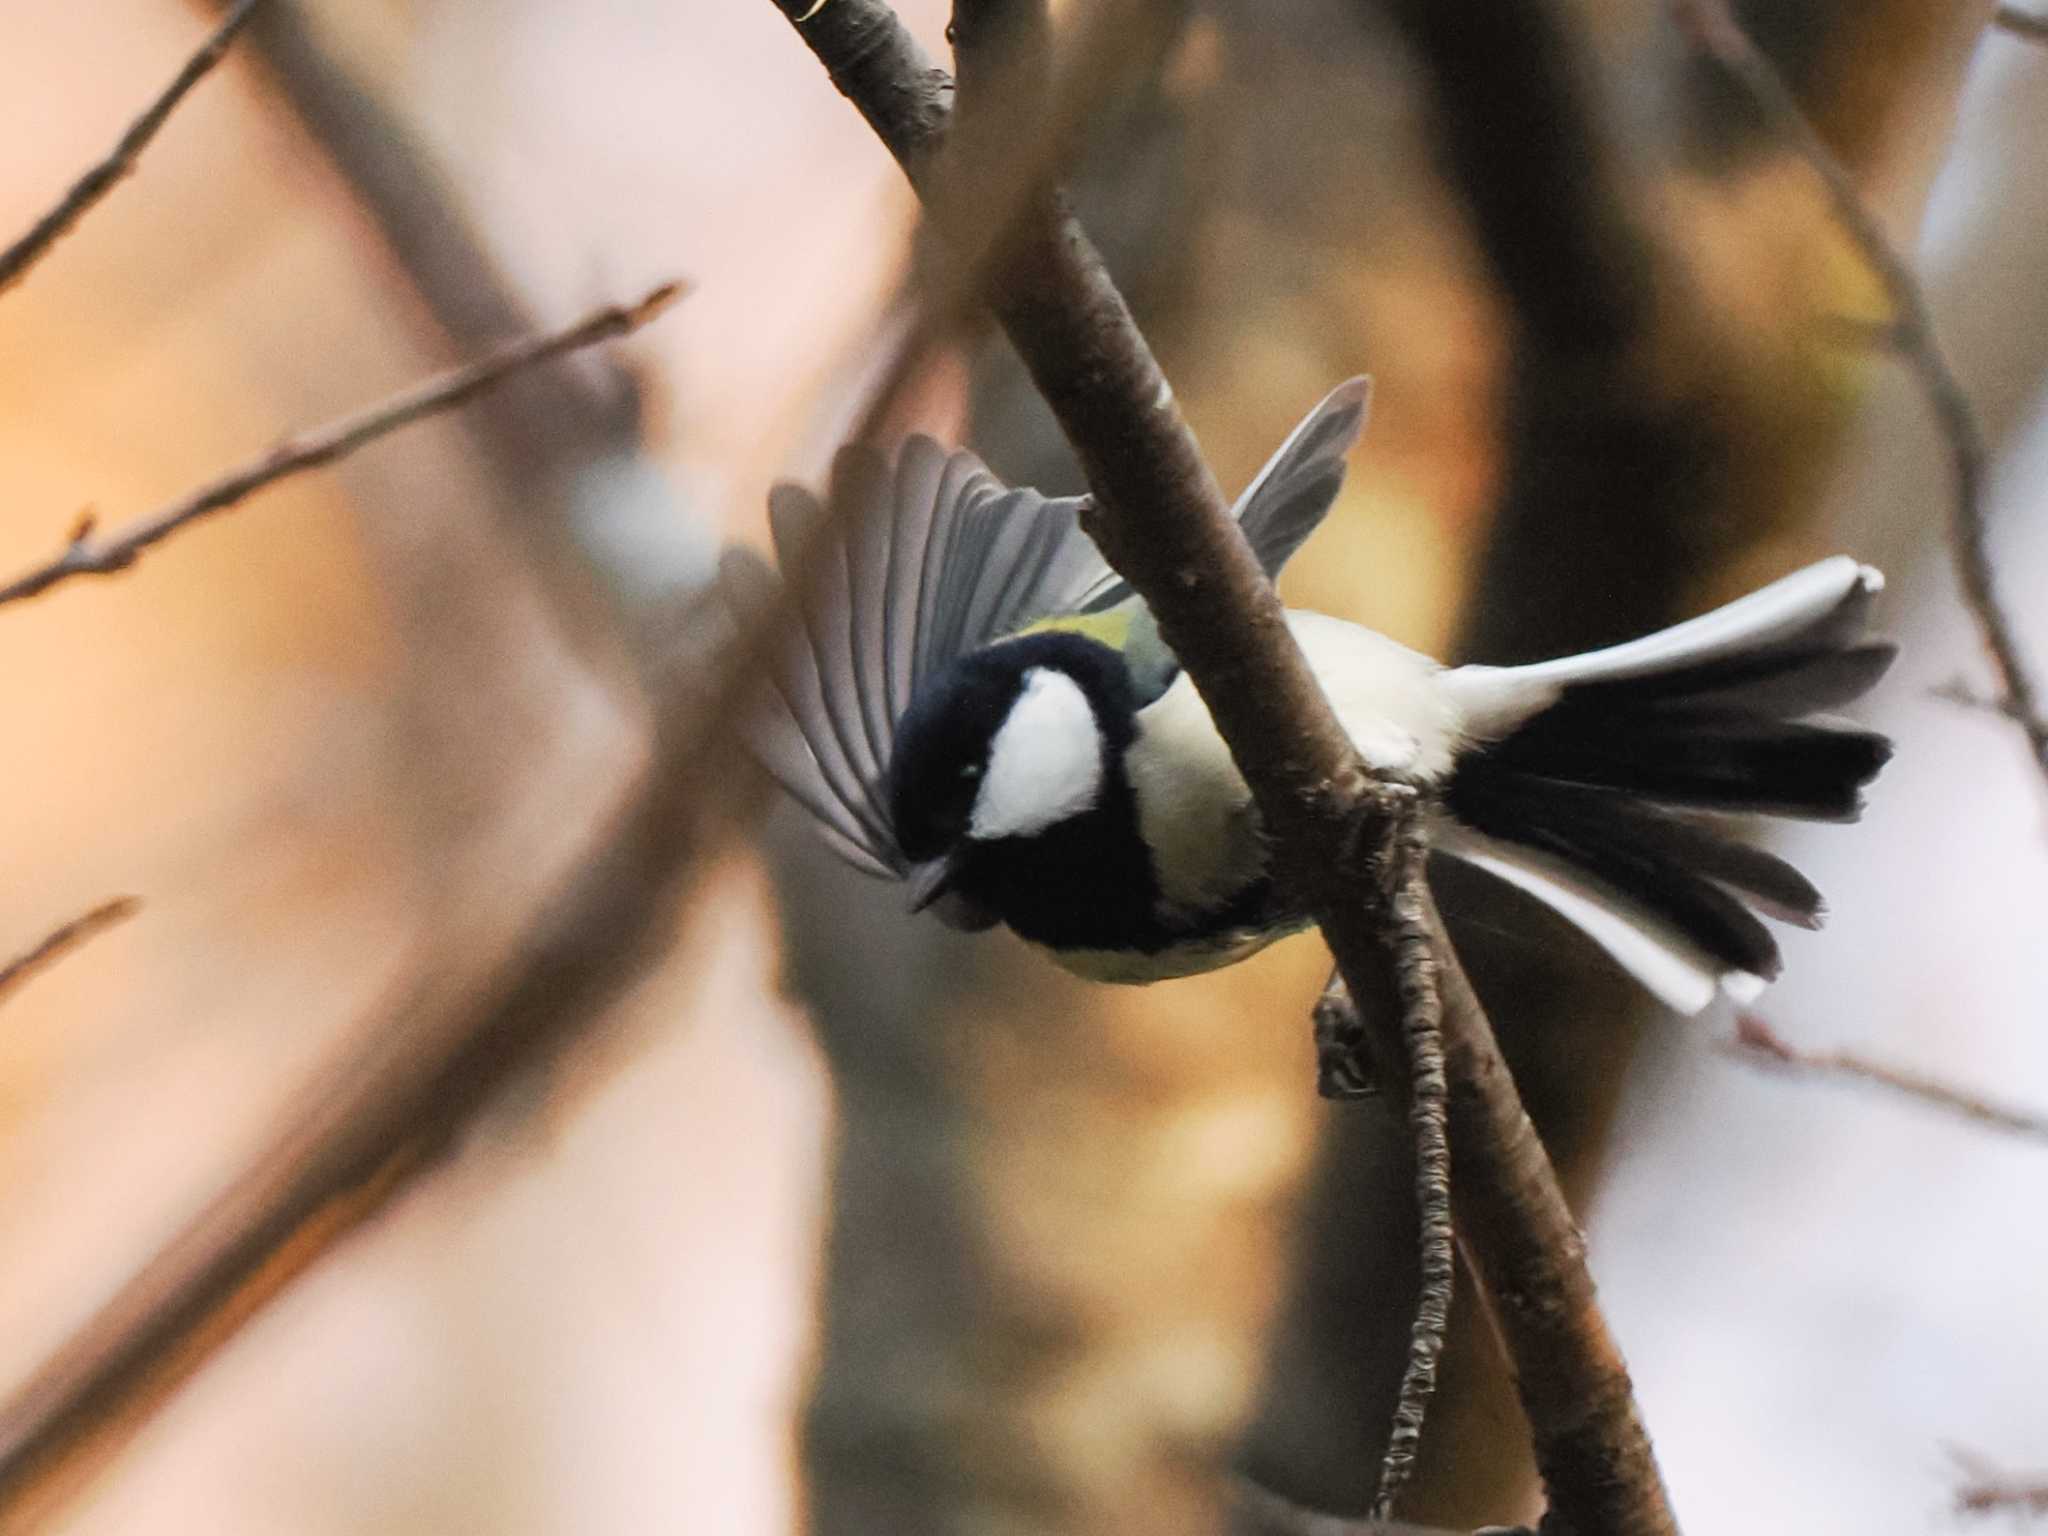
(1958, 692)
(1415, 966)
(68, 936)
(102, 178)
(87, 554)
(2021, 22)
(1987, 1490)
(1161, 521)
(407, 194)
(1343, 1072)
(1756, 1041)
(1715, 30)
(1520, 1239)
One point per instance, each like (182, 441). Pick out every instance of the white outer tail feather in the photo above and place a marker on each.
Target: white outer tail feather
(1677, 971)
(1494, 700)
(1765, 617)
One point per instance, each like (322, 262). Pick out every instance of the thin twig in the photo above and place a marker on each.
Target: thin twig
(2002, 1498)
(557, 416)
(2021, 22)
(1989, 1490)
(1415, 968)
(1754, 1040)
(101, 179)
(1959, 693)
(1162, 522)
(65, 937)
(1714, 28)
(1344, 1072)
(90, 555)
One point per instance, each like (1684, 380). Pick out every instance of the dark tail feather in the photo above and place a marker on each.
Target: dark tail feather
(1628, 778)
(1680, 871)
(1778, 684)
(1719, 760)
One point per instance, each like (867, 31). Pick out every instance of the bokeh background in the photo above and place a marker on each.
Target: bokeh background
(829, 1201)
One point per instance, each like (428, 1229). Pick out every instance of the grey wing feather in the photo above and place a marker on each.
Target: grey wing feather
(795, 521)
(962, 484)
(825, 699)
(863, 491)
(1289, 498)
(909, 566)
(1000, 594)
(783, 721)
(917, 563)
(920, 467)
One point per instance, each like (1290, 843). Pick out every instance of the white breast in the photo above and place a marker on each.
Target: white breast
(1194, 809)
(1389, 699)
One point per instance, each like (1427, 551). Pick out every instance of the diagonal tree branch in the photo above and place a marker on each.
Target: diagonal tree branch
(96, 183)
(61, 940)
(1161, 521)
(88, 554)
(1756, 1041)
(1715, 30)
(1989, 1490)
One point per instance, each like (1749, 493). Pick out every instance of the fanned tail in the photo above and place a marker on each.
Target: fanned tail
(1603, 784)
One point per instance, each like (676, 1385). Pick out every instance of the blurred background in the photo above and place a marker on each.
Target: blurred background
(829, 1218)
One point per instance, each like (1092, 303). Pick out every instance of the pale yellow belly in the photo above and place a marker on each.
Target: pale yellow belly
(1132, 967)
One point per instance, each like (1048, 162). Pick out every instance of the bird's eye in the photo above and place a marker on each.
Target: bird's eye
(970, 770)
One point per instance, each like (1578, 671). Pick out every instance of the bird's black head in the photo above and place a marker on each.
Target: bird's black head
(1006, 744)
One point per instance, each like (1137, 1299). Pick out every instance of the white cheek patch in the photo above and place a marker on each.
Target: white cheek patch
(1045, 763)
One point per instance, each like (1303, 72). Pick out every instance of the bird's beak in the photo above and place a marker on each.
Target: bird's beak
(930, 881)
(931, 888)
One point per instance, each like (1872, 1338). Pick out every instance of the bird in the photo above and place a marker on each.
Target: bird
(969, 701)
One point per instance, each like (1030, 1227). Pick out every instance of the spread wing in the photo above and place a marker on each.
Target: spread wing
(907, 566)
(1288, 499)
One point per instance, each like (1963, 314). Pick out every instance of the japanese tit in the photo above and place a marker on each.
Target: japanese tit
(978, 706)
